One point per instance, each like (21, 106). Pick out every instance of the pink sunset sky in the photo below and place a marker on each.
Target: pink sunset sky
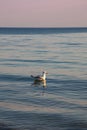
(43, 13)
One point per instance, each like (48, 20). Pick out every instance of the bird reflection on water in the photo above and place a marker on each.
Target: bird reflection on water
(39, 83)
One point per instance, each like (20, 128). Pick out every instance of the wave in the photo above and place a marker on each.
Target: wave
(40, 61)
(8, 77)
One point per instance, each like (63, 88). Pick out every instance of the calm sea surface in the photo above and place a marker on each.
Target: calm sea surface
(62, 103)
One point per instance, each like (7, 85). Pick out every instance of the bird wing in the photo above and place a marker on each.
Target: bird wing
(36, 77)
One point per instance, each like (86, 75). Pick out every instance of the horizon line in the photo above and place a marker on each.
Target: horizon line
(42, 27)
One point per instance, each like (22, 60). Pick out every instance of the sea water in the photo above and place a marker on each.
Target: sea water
(62, 103)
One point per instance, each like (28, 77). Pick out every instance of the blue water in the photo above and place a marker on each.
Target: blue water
(62, 103)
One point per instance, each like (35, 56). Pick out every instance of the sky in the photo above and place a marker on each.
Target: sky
(43, 13)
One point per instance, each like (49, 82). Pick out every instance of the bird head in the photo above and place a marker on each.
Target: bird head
(44, 72)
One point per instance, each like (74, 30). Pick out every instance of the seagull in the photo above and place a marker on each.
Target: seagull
(40, 77)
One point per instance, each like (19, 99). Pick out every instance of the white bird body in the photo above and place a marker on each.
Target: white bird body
(40, 77)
